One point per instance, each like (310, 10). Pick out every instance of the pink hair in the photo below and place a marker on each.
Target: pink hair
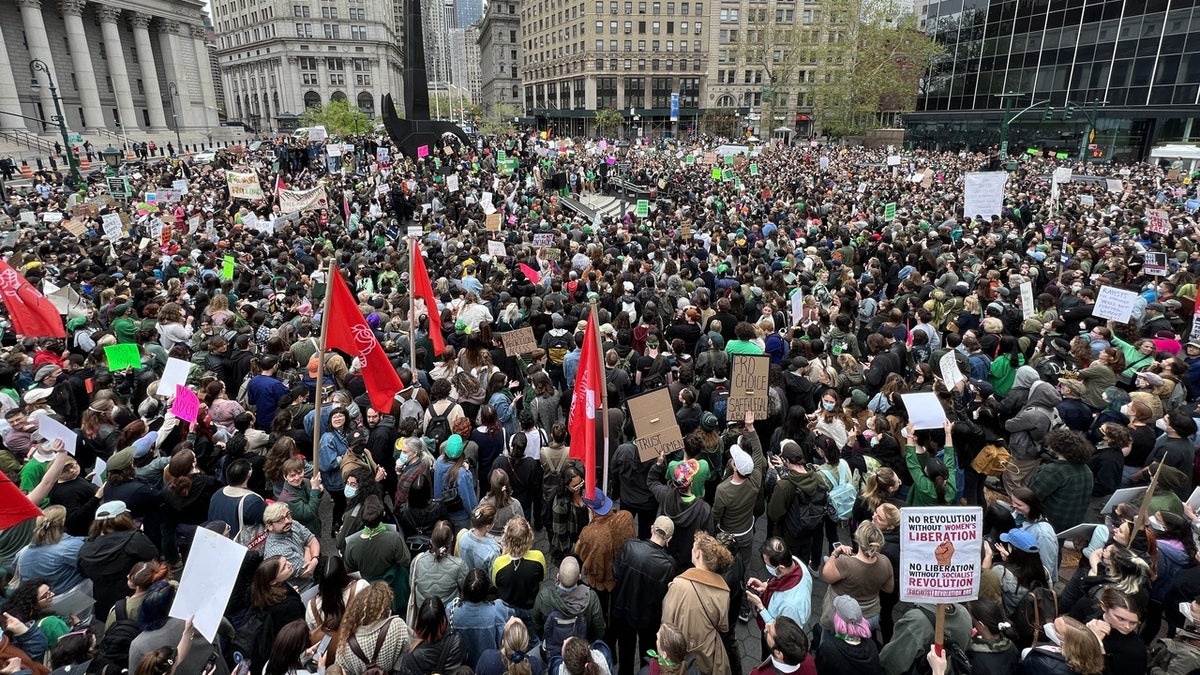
(862, 629)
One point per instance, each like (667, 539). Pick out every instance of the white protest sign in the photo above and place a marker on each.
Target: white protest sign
(485, 200)
(1115, 304)
(452, 183)
(893, 160)
(98, 472)
(1062, 175)
(52, 217)
(179, 184)
(949, 367)
(797, 305)
(496, 249)
(1027, 308)
(112, 226)
(1087, 200)
(209, 574)
(175, 373)
(924, 410)
(984, 193)
(318, 134)
(1115, 184)
(52, 430)
(940, 549)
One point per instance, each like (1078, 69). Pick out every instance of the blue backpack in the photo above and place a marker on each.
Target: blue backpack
(842, 495)
(559, 626)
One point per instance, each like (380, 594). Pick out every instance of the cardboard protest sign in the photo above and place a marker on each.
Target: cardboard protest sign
(748, 386)
(1158, 221)
(1114, 303)
(940, 549)
(493, 222)
(518, 342)
(208, 579)
(496, 249)
(186, 406)
(123, 356)
(655, 425)
(243, 185)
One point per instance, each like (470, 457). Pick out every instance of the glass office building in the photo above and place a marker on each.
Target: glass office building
(1138, 61)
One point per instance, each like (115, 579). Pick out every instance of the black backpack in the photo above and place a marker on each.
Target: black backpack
(439, 425)
(114, 646)
(957, 662)
(559, 627)
(252, 640)
(806, 512)
(656, 376)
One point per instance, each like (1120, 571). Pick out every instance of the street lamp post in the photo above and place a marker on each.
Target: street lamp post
(72, 162)
(1008, 99)
(112, 157)
(172, 92)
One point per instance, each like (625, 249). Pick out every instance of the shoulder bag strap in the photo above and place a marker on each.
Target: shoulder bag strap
(703, 607)
(379, 639)
(241, 521)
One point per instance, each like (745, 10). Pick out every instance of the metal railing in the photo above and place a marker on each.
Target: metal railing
(27, 140)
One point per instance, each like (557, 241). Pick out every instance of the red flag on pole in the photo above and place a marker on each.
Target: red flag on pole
(279, 185)
(421, 288)
(586, 399)
(15, 507)
(32, 314)
(531, 274)
(348, 332)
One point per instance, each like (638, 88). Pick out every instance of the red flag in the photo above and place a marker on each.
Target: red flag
(15, 507)
(421, 288)
(348, 332)
(530, 273)
(279, 185)
(32, 314)
(584, 402)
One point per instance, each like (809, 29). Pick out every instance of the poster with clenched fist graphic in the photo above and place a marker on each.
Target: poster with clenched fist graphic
(940, 553)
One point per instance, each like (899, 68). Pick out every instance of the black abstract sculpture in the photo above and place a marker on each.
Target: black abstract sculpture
(417, 130)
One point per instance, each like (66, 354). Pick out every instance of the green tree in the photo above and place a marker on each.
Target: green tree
(719, 122)
(498, 119)
(608, 121)
(774, 50)
(338, 117)
(872, 66)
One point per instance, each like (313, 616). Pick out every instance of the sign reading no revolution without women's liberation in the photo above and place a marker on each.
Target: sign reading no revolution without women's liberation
(940, 553)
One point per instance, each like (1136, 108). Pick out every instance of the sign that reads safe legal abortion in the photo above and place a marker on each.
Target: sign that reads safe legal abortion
(940, 553)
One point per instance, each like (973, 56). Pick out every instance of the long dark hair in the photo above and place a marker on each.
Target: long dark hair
(431, 622)
(289, 646)
(334, 581)
(1027, 567)
(938, 474)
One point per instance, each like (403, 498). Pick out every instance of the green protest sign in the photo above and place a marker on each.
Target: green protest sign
(716, 174)
(1033, 151)
(729, 160)
(1061, 155)
(727, 174)
(643, 208)
(690, 159)
(753, 169)
(227, 267)
(889, 211)
(123, 356)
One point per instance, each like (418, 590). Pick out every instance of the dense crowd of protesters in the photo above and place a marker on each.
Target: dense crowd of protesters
(452, 532)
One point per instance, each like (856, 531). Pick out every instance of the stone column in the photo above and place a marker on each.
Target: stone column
(9, 101)
(39, 48)
(81, 61)
(116, 66)
(289, 75)
(172, 47)
(207, 89)
(145, 52)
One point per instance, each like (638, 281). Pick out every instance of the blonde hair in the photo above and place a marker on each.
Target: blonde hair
(674, 648)
(50, 526)
(368, 606)
(1081, 648)
(869, 538)
(892, 513)
(517, 538)
(716, 557)
(516, 639)
(274, 512)
(875, 492)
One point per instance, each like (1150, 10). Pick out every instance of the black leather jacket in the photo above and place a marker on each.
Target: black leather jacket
(642, 570)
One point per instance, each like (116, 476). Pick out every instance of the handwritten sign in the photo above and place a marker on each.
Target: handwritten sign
(948, 365)
(655, 425)
(748, 386)
(518, 342)
(984, 193)
(123, 356)
(1115, 304)
(422, 151)
(227, 266)
(543, 240)
(1027, 307)
(643, 208)
(940, 548)
(113, 228)
(1158, 221)
(242, 186)
(186, 406)
(493, 222)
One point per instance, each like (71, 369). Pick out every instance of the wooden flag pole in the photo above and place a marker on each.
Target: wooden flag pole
(330, 271)
(939, 628)
(1139, 522)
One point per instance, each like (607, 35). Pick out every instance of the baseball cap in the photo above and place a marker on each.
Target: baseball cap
(600, 504)
(121, 460)
(110, 510)
(664, 526)
(143, 445)
(312, 366)
(741, 460)
(1020, 539)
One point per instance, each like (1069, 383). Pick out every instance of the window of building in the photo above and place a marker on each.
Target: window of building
(654, 45)
(599, 7)
(670, 45)
(599, 64)
(629, 45)
(689, 92)
(358, 32)
(635, 93)
(599, 27)
(683, 8)
(606, 92)
(337, 78)
(641, 28)
(599, 45)
(333, 31)
(699, 9)
(641, 66)
(699, 27)
(335, 64)
(641, 45)
(656, 8)
(628, 27)
(363, 79)
(670, 9)
(654, 28)
(641, 8)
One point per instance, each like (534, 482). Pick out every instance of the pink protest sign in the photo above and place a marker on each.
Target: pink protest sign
(186, 406)
(422, 151)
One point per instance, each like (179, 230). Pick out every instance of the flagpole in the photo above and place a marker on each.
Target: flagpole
(412, 308)
(603, 388)
(321, 363)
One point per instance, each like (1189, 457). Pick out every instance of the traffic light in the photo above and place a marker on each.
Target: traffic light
(1067, 113)
(1048, 114)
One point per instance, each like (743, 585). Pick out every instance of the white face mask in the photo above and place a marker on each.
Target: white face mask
(1185, 608)
(1155, 524)
(1048, 629)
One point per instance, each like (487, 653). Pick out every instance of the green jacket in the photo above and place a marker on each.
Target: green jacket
(1134, 359)
(1003, 373)
(304, 503)
(923, 492)
(125, 329)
